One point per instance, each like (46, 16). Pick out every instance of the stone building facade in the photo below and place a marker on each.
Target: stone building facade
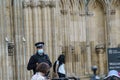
(80, 29)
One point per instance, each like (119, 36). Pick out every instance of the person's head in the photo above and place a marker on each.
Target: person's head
(61, 58)
(40, 47)
(112, 75)
(43, 68)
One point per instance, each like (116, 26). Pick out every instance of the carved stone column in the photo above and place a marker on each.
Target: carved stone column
(100, 49)
(30, 29)
(17, 38)
(36, 29)
(110, 18)
(26, 5)
(52, 31)
(1, 40)
(49, 27)
(4, 42)
(45, 16)
(56, 31)
(40, 27)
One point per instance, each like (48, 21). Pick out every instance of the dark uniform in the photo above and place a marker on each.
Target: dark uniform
(36, 58)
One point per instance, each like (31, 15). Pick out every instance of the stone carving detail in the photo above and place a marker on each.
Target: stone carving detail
(88, 13)
(26, 4)
(33, 4)
(52, 4)
(74, 12)
(64, 11)
(43, 4)
(99, 48)
(11, 46)
(111, 12)
(39, 3)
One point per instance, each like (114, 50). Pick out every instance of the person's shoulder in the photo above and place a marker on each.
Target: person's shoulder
(34, 55)
(34, 77)
(45, 54)
(40, 77)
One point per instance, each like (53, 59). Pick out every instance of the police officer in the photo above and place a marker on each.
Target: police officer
(39, 57)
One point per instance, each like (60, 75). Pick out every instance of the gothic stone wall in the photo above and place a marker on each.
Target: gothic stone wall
(81, 29)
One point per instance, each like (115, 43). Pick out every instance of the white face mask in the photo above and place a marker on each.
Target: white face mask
(40, 51)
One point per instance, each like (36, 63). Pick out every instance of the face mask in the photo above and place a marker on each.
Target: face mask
(40, 51)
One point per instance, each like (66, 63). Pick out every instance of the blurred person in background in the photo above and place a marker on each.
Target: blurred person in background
(112, 75)
(41, 69)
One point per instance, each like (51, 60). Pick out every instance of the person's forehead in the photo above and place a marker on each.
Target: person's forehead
(39, 47)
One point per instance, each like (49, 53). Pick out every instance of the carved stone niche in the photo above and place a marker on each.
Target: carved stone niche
(74, 12)
(64, 11)
(42, 3)
(26, 4)
(72, 49)
(11, 46)
(100, 48)
(86, 14)
(52, 4)
(33, 4)
(111, 12)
